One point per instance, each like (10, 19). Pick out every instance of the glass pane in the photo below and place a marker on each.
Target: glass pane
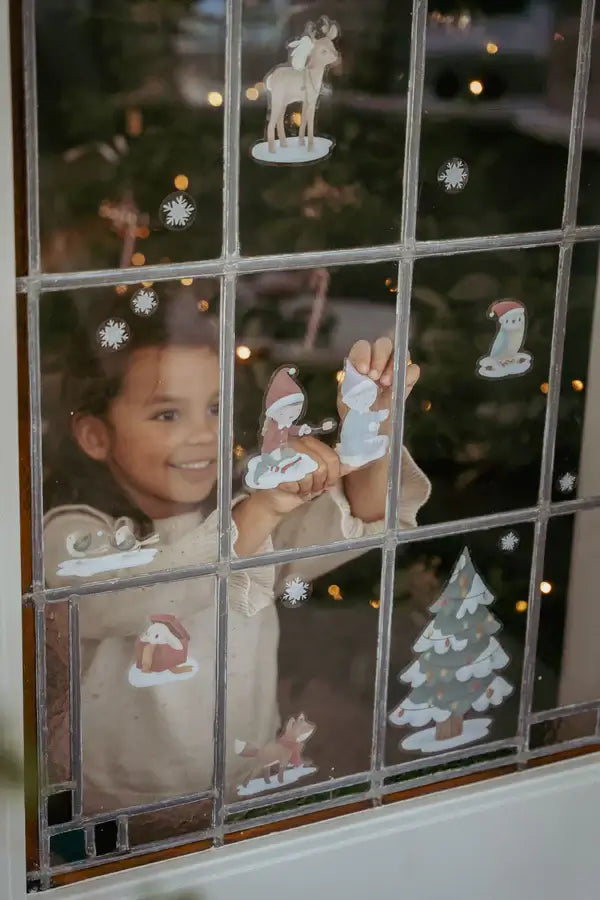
(164, 824)
(304, 340)
(568, 669)
(139, 125)
(567, 728)
(576, 469)
(481, 329)
(345, 189)
(58, 700)
(589, 211)
(130, 392)
(495, 134)
(307, 715)
(458, 635)
(146, 694)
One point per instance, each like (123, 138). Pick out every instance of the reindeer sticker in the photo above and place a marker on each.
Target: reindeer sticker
(301, 81)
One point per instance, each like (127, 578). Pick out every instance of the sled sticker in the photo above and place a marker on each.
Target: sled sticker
(161, 654)
(278, 762)
(278, 462)
(506, 356)
(456, 669)
(300, 81)
(106, 550)
(360, 442)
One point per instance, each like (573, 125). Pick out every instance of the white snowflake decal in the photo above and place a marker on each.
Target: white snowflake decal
(113, 334)
(177, 211)
(144, 302)
(566, 482)
(509, 541)
(296, 592)
(453, 175)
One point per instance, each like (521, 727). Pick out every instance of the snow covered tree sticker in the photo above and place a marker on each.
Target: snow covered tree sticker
(457, 667)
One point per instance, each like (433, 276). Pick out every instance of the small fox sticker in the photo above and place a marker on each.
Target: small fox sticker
(284, 752)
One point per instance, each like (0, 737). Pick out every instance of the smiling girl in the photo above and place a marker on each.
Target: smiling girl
(136, 455)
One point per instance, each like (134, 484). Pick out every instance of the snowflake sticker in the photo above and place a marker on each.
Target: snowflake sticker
(296, 593)
(509, 541)
(177, 211)
(453, 175)
(144, 302)
(566, 483)
(113, 334)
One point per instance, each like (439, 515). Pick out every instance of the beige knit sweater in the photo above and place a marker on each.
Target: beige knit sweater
(147, 737)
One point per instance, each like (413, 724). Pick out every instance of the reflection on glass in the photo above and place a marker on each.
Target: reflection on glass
(457, 642)
(139, 126)
(318, 723)
(498, 93)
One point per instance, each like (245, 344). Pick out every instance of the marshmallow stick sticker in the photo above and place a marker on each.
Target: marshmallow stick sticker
(360, 441)
(506, 356)
(299, 82)
(278, 462)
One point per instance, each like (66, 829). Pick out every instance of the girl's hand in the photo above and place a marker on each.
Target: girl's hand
(293, 493)
(377, 361)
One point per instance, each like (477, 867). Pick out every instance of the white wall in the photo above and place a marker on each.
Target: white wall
(520, 837)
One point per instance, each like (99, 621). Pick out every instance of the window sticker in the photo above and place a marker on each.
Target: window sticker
(509, 541)
(453, 175)
(113, 334)
(177, 211)
(161, 654)
(566, 483)
(144, 302)
(284, 755)
(296, 593)
(360, 441)
(300, 81)
(506, 356)
(105, 550)
(457, 667)
(279, 462)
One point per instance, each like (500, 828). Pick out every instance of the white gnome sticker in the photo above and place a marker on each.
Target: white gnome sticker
(161, 653)
(360, 442)
(278, 462)
(299, 82)
(506, 356)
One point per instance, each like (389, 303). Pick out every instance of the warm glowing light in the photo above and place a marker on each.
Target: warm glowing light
(388, 281)
(238, 451)
(577, 384)
(252, 93)
(476, 87)
(491, 47)
(334, 591)
(181, 182)
(296, 119)
(147, 283)
(243, 352)
(121, 289)
(187, 281)
(544, 387)
(521, 605)
(374, 604)
(215, 98)
(545, 587)
(203, 305)
(134, 122)
(138, 259)
(143, 232)
(426, 405)
(339, 376)
(259, 85)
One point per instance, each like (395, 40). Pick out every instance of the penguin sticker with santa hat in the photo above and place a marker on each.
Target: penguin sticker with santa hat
(161, 653)
(506, 356)
(278, 462)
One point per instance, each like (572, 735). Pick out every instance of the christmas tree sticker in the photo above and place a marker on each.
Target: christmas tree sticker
(457, 667)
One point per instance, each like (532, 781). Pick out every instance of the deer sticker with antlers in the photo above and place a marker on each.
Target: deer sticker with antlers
(301, 81)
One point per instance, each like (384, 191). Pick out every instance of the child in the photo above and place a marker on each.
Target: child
(137, 455)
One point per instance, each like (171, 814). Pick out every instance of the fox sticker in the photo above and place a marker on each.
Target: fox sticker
(285, 751)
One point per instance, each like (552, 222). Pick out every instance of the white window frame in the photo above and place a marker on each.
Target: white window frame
(520, 836)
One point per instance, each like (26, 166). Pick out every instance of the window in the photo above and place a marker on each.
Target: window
(314, 498)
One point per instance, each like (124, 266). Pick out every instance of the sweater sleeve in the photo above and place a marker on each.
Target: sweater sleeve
(329, 518)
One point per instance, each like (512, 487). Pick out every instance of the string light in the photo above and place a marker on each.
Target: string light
(147, 283)
(544, 387)
(545, 587)
(215, 98)
(521, 606)
(334, 591)
(252, 93)
(426, 405)
(374, 604)
(181, 182)
(238, 451)
(203, 305)
(491, 47)
(121, 289)
(577, 384)
(187, 281)
(243, 352)
(476, 87)
(138, 259)
(297, 119)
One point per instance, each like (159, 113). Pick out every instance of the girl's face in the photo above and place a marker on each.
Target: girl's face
(160, 436)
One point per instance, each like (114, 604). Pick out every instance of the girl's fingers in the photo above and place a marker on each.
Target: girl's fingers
(383, 349)
(360, 356)
(412, 376)
(327, 472)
